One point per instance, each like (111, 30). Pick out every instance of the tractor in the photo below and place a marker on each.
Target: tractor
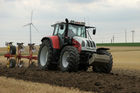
(72, 49)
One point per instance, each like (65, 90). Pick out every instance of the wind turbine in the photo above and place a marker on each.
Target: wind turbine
(30, 27)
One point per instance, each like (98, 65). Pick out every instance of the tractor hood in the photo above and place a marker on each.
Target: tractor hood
(86, 44)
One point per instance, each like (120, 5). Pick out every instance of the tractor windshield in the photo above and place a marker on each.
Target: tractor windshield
(59, 29)
(76, 30)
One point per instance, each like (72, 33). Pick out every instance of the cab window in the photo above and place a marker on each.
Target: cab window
(59, 29)
(76, 31)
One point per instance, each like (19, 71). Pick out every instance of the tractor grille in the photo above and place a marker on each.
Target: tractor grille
(90, 43)
(93, 44)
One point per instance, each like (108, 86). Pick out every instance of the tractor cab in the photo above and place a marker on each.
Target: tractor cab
(71, 29)
(68, 32)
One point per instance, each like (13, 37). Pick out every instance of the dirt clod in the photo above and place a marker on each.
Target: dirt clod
(97, 83)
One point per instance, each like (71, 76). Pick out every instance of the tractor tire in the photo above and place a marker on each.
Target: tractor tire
(69, 59)
(45, 56)
(12, 63)
(103, 67)
(12, 50)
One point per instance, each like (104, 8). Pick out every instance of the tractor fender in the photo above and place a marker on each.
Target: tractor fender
(55, 49)
(47, 38)
(54, 40)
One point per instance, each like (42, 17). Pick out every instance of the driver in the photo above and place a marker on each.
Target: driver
(71, 33)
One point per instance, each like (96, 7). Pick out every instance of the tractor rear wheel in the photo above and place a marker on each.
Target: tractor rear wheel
(45, 56)
(69, 59)
(103, 67)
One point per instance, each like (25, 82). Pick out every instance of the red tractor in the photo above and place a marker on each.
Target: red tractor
(71, 48)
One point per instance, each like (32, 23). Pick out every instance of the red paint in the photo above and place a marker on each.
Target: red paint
(9, 55)
(19, 56)
(77, 45)
(55, 42)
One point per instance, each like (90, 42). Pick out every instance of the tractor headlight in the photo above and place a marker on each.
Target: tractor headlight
(83, 44)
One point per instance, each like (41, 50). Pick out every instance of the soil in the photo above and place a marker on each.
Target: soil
(125, 76)
(86, 81)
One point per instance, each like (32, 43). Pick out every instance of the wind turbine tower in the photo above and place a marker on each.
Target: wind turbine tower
(30, 27)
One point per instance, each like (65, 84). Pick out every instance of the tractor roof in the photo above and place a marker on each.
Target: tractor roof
(71, 22)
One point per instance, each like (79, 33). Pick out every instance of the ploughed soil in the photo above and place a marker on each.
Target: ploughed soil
(86, 81)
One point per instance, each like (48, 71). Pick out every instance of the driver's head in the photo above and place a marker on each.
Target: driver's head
(71, 33)
(61, 26)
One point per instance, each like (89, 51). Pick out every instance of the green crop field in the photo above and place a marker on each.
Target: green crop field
(119, 44)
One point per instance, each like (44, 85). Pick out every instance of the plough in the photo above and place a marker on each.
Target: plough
(14, 58)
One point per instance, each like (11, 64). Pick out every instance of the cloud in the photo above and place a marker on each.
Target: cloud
(9, 0)
(82, 1)
(109, 16)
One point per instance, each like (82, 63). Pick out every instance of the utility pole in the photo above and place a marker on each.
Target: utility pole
(113, 39)
(125, 36)
(133, 36)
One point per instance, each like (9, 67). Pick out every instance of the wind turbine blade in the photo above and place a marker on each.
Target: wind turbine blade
(31, 15)
(35, 27)
(27, 24)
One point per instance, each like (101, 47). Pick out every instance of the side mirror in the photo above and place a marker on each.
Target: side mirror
(94, 31)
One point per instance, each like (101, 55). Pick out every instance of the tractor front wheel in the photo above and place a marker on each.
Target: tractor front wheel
(69, 59)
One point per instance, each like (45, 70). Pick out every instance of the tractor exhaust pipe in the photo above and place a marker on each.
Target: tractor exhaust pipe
(67, 21)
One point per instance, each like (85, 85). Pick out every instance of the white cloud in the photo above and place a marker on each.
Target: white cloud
(109, 16)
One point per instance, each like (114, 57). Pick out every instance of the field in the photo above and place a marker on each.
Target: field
(124, 78)
(120, 44)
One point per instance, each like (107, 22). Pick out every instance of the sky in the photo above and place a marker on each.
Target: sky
(110, 17)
